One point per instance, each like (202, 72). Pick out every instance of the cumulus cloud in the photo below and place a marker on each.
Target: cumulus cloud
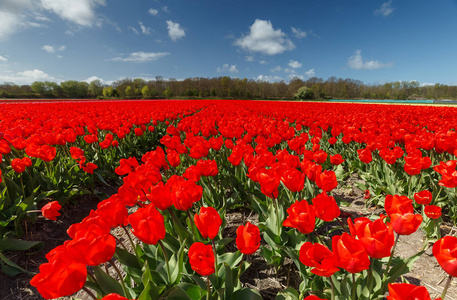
(175, 31)
(356, 62)
(227, 68)
(294, 64)
(27, 77)
(268, 78)
(385, 9)
(310, 73)
(265, 39)
(52, 49)
(3, 59)
(153, 11)
(134, 30)
(141, 56)
(145, 30)
(298, 33)
(276, 69)
(81, 12)
(94, 78)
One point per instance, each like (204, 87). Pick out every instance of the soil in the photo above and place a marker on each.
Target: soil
(266, 279)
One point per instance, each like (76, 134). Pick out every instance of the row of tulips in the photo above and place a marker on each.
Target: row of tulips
(275, 159)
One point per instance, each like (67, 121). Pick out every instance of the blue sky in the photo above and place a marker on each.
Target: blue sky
(375, 41)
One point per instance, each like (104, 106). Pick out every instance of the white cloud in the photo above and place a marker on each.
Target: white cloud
(93, 78)
(165, 9)
(268, 78)
(15, 15)
(27, 77)
(3, 59)
(227, 68)
(298, 33)
(356, 62)
(145, 30)
(310, 73)
(263, 62)
(141, 56)
(249, 58)
(294, 64)
(81, 12)
(265, 39)
(289, 70)
(276, 69)
(52, 49)
(385, 9)
(134, 29)
(153, 11)
(175, 31)
(426, 84)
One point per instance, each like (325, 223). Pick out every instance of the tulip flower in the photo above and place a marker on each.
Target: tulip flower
(201, 258)
(51, 210)
(248, 238)
(208, 222)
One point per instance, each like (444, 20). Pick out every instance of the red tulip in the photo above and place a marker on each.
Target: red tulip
(432, 211)
(336, 159)
(294, 180)
(92, 246)
(326, 181)
(60, 277)
(173, 158)
(405, 223)
(269, 182)
(113, 296)
(113, 211)
(248, 238)
(192, 173)
(325, 207)
(313, 297)
(148, 224)
(376, 237)
(365, 155)
(398, 204)
(208, 222)
(407, 291)
(350, 253)
(51, 210)
(160, 195)
(320, 258)
(301, 216)
(445, 252)
(207, 167)
(185, 193)
(423, 197)
(201, 258)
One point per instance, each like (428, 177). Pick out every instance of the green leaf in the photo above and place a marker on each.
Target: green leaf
(127, 259)
(107, 283)
(401, 266)
(10, 268)
(10, 244)
(177, 264)
(247, 294)
(288, 294)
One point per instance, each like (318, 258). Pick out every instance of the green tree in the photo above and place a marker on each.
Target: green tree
(96, 88)
(145, 92)
(38, 87)
(109, 92)
(304, 93)
(167, 93)
(129, 92)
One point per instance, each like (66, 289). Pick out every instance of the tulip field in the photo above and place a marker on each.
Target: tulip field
(180, 168)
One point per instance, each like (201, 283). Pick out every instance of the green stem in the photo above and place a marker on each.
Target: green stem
(391, 255)
(22, 186)
(333, 288)
(208, 292)
(89, 293)
(278, 222)
(191, 223)
(215, 257)
(448, 283)
(354, 294)
(130, 238)
(121, 279)
(166, 260)
(239, 270)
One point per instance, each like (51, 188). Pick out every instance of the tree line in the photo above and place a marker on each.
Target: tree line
(231, 88)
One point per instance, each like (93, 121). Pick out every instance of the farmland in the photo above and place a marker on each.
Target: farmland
(168, 181)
